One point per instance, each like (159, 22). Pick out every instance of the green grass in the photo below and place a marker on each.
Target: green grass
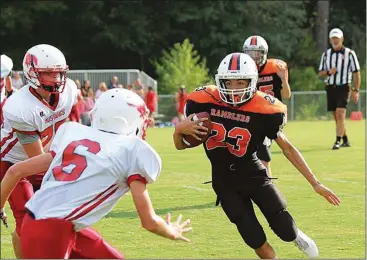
(338, 231)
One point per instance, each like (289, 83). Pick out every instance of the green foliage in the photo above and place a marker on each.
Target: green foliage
(180, 65)
(305, 79)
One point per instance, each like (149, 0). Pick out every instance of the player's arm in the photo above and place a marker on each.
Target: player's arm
(145, 170)
(296, 158)
(188, 126)
(21, 170)
(151, 221)
(284, 76)
(31, 143)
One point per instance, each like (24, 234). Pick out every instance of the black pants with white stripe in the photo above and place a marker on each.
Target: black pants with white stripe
(337, 96)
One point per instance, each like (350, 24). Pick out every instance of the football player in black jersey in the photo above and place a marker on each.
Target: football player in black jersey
(241, 118)
(273, 80)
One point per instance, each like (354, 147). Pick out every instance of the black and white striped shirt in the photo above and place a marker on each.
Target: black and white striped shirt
(346, 62)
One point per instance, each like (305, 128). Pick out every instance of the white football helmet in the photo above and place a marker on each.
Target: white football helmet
(6, 66)
(236, 66)
(120, 111)
(45, 58)
(257, 48)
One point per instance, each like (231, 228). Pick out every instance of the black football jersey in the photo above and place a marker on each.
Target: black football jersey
(237, 131)
(269, 82)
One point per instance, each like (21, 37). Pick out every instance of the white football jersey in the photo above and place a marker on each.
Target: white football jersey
(26, 112)
(90, 171)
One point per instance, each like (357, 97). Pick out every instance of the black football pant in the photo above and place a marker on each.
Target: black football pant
(237, 204)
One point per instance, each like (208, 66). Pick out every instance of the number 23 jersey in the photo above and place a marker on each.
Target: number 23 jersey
(237, 131)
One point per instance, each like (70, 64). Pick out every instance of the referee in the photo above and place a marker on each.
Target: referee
(338, 64)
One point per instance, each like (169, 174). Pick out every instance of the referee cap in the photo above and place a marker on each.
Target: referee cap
(336, 32)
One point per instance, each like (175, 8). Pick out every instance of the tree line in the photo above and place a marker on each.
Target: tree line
(134, 34)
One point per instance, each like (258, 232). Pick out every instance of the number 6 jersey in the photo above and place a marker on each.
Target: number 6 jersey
(237, 131)
(90, 172)
(25, 112)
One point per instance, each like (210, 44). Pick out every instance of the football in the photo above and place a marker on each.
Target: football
(191, 141)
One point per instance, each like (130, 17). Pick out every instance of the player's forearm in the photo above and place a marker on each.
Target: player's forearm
(159, 227)
(286, 90)
(177, 139)
(357, 79)
(296, 158)
(7, 186)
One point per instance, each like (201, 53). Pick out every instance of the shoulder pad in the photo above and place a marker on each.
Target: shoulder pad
(205, 94)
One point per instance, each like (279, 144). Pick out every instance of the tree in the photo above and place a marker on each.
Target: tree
(322, 23)
(180, 65)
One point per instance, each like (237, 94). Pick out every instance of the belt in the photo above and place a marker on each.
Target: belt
(337, 86)
(30, 213)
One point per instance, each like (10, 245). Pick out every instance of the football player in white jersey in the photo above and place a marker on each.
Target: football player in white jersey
(31, 117)
(88, 170)
(5, 81)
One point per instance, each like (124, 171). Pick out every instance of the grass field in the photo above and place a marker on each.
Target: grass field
(338, 231)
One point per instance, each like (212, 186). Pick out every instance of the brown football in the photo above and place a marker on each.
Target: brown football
(191, 141)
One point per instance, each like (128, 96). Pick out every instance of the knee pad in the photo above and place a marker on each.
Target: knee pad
(284, 226)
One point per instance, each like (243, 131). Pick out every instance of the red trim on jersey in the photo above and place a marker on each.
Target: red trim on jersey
(90, 208)
(26, 132)
(10, 136)
(234, 65)
(88, 202)
(136, 177)
(253, 40)
(10, 146)
(53, 154)
(36, 95)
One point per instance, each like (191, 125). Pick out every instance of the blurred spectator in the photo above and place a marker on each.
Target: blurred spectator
(114, 82)
(130, 87)
(88, 105)
(17, 80)
(87, 91)
(120, 86)
(101, 88)
(140, 91)
(151, 99)
(181, 97)
(77, 82)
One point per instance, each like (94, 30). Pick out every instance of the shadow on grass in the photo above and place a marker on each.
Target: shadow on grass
(310, 150)
(134, 214)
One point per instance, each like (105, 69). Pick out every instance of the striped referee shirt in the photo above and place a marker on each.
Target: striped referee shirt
(344, 60)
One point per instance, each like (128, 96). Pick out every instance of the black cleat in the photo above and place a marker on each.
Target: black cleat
(345, 144)
(336, 146)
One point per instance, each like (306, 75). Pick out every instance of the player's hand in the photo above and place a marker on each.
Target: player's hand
(333, 71)
(327, 194)
(190, 127)
(179, 228)
(282, 70)
(355, 96)
(4, 217)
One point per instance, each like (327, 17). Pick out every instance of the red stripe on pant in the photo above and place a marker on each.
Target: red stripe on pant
(19, 197)
(56, 238)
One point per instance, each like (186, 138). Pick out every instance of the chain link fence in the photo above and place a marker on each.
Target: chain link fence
(303, 105)
(125, 77)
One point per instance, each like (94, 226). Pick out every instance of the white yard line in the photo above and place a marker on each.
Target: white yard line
(195, 188)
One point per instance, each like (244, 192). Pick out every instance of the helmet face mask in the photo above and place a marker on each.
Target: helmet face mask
(236, 79)
(45, 67)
